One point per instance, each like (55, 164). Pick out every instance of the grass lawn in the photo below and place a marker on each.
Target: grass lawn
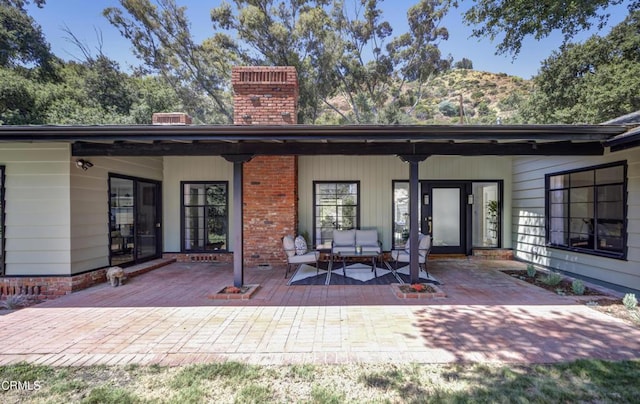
(233, 382)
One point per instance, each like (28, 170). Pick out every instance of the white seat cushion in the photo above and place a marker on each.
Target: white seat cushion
(403, 256)
(289, 246)
(371, 248)
(310, 257)
(425, 244)
(344, 249)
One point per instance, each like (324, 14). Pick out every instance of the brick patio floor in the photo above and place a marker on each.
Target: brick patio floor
(165, 317)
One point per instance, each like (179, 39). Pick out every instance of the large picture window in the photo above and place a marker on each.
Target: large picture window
(336, 205)
(205, 217)
(586, 210)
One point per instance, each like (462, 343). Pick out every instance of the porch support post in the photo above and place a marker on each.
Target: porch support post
(414, 223)
(238, 240)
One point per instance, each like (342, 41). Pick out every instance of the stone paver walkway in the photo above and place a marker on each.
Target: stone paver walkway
(165, 317)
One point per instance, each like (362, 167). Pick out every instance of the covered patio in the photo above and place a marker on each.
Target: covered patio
(166, 317)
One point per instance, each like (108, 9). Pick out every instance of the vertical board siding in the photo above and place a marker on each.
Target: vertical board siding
(529, 221)
(178, 169)
(37, 208)
(90, 205)
(376, 174)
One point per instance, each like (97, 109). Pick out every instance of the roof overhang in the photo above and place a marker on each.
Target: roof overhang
(157, 140)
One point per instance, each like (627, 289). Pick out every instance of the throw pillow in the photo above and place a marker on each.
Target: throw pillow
(301, 245)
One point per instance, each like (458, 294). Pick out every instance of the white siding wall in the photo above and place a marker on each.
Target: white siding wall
(178, 169)
(90, 205)
(529, 227)
(376, 174)
(37, 208)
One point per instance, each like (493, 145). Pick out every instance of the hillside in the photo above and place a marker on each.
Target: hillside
(486, 97)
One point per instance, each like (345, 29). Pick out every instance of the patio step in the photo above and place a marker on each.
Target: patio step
(145, 267)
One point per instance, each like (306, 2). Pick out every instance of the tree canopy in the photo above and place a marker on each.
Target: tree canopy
(590, 82)
(514, 20)
(21, 39)
(344, 51)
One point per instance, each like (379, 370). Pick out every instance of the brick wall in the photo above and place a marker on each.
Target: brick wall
(267, 96)
(270, 207)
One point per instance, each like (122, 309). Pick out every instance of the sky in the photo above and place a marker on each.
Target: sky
(84, 18)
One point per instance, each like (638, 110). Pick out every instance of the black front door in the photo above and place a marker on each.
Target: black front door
(444, 213)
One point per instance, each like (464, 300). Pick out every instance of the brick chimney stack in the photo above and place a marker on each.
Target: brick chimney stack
(267, 96)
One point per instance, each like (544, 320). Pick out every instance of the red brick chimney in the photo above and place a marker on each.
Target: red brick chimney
(170, 118)
(267, 96)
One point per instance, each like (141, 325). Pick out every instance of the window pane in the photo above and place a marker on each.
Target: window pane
(559, 181)
(558, 233)
(583, 178)
(610, 202)
(610, 175)
(581, 195)
(446, 226)
(559, 196)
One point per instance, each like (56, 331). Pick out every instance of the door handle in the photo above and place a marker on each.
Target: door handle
(429, 222)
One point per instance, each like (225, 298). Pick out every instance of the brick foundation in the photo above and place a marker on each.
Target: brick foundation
(39, 288)
(492, 254)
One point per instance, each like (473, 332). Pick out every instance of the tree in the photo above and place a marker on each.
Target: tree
(464, 63)
(339, 52)
(515, 20)
(21, 39)
(162, 39)
(590, 82)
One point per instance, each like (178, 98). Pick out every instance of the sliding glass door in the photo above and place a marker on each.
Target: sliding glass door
(134, 220)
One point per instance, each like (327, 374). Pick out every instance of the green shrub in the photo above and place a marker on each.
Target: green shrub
(531, 271)
(553, 279)
(577, 286)
(448, 109)
(630, 301)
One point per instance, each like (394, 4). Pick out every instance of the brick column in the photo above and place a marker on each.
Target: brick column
(267, 96)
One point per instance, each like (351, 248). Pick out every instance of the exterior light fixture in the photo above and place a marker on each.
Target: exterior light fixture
(84, 164)
(246, 116)
(285, 113)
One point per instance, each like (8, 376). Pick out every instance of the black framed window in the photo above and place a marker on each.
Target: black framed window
(2, 229)
(205, 216)
(336, 205)
(586, 210)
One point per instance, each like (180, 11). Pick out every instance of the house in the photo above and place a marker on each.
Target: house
(77, 199)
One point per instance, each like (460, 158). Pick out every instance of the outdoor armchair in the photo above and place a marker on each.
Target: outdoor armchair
(298, 255)
(404, 256)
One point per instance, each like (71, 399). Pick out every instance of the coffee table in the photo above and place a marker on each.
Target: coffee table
(354, 254)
